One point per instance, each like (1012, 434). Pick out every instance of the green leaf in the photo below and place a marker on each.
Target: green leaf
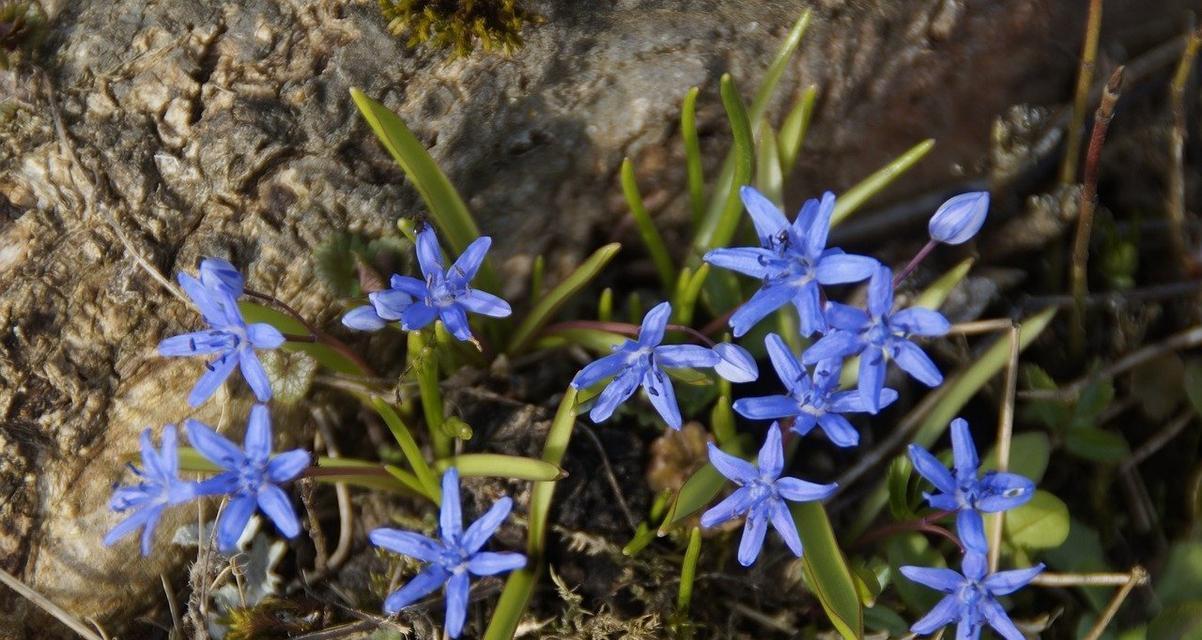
(826, 570)
(1180, 622)
(291, 374)
(495, 465)
(698, 491)
(1042, 523)
(855, 197)
(1082, 552)
(1029, 454)
(688, 571)
(686, 300)
(594, 340)
(325, 355)
(793, 130)
(1182, 577)
(692, 155)
(885, 619)
(1094, 399)
(447, 209)
(938, 291)
(1096, 444)
(768, 177)
(423, 362)
(717, 230)
(642, 219)
(555, 298)
(897, 478)
(412, 453)
(912, 548)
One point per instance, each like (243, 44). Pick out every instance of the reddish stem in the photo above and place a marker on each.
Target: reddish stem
(914, 262)
(625, 329)
(317, 335)
(925, 524)
(313, 472)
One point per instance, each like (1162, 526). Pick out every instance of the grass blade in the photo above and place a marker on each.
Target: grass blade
(768, 178)
(686, 299)
(826, 569)
(692, 155)
(423, 362)
(688, 572)
(642, 219)
(409, 448)
(856, 196)
(717, 230)
(793, 130)
(555, 298)
(495, 465)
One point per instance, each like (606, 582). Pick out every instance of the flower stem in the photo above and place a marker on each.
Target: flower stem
(914, 262)
(316, 335)
(626, 329)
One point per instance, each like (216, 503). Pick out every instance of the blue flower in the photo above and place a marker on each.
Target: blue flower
(960, 490)
(960, 218)
(229, 338)
(761, 495)
(251, 477)
(159, 488)
(879, 335)
(735, 363)
(812, 401)
(792, 260)
(971, 599)
(453, 558)
(444, 294)
(642, 362)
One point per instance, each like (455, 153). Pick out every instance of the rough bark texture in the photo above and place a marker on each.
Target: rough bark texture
(211, 127)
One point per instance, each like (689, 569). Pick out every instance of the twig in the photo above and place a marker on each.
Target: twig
(59, 613)
(1089, 200)
(1110, 298)
(1187, 339)
(1089, 56)
(980, 326)
(1176, 188)
(1048, 579)
(1137, 576)
(609, 475)
(1154, 444)
(173, 606)
(1005, 429)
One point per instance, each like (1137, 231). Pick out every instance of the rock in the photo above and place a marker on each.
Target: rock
(224, 128)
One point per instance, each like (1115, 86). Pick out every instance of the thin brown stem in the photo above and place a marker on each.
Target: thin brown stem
(1176, 189)
(1049, 579)
(925, 524)
(1089, 56)
(320, 336)
(1089, 201)
(1137, 576)
(1005, 429)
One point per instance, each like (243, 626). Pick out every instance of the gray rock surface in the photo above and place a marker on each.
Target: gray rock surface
(224, 127)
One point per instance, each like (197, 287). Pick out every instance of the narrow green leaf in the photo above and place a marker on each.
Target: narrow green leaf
(520, 584)
(776, 69)
(536, 278)
(1041, 523)
(826, 570)
(423, 363)
(605, 305)
(1097, 445)
(938, 291)
(897, 479)
(722, 423)
(325, 355)
(447, 209)
(793, 130)
(642, 219)
(495, 465)
(768, 177)
(856, 196)
(717, 230)
(642, 537)
(686, 302)
(409, 448)
(688, 572)
(555, 298)
(692, 155)
(594, 340)
(698, 491)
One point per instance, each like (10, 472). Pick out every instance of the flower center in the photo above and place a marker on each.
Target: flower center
(250, 477)
(442, 292)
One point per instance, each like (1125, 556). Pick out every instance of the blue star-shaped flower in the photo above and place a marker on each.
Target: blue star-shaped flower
(453, 558)
(971, 599)
(879, 335)
(642, 362)
(228, 337)
(159, 487)
(761, 495)
(445, 293)
(251, 476)
(813, 401)
(965, 493)
(792, 260)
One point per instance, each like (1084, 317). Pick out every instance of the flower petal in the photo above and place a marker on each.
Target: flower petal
(204, 299)
(255, 375)
(996, 616)
(429, 255)
(960, 218)
(808, 301)
(820, 226)
(1000, 491)
(482, 529)
(215, 447)
(767, 218)
(964, 452)
(468, 262)
(488, 563)
(257, 442)
(769, 298)
(686, 355)
(232, 522)
(455, 319)
(618, 391)
(920, 322)
(363, 318)
(783, 361)
(782, 521)
(880, 292)
(215, 373)
(839, 430)
(771, 459)
(169, 456)
(971, 527)
(152, 520)
(128, 526)
(600, 369)
(457, 591)
(871, 379)
(278, 507)
(651, 333)
(913, 361)
(929, 467)
(391, 303)
(409, 285)
(844, 268)
(944, 613)
(734, 468)
(851, 402)
(417, 315)
(663, 397)
(286, 466)
(945, 580)
(846, 317)
(798, 490)
(195, 343)
(419, 587)
(735, 363)
(406, 543)
(753, 538)
(1006, 582)
(752, 261)
(836, 344)
(734, 505)
(264, 336)
(485, 304)
(216, 273)
(766, 407)
(450, 516)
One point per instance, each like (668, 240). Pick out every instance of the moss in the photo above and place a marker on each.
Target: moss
(458, 25)
(22, 27)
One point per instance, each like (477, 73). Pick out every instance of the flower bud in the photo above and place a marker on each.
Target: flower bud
(960, 218)
(736, 363)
